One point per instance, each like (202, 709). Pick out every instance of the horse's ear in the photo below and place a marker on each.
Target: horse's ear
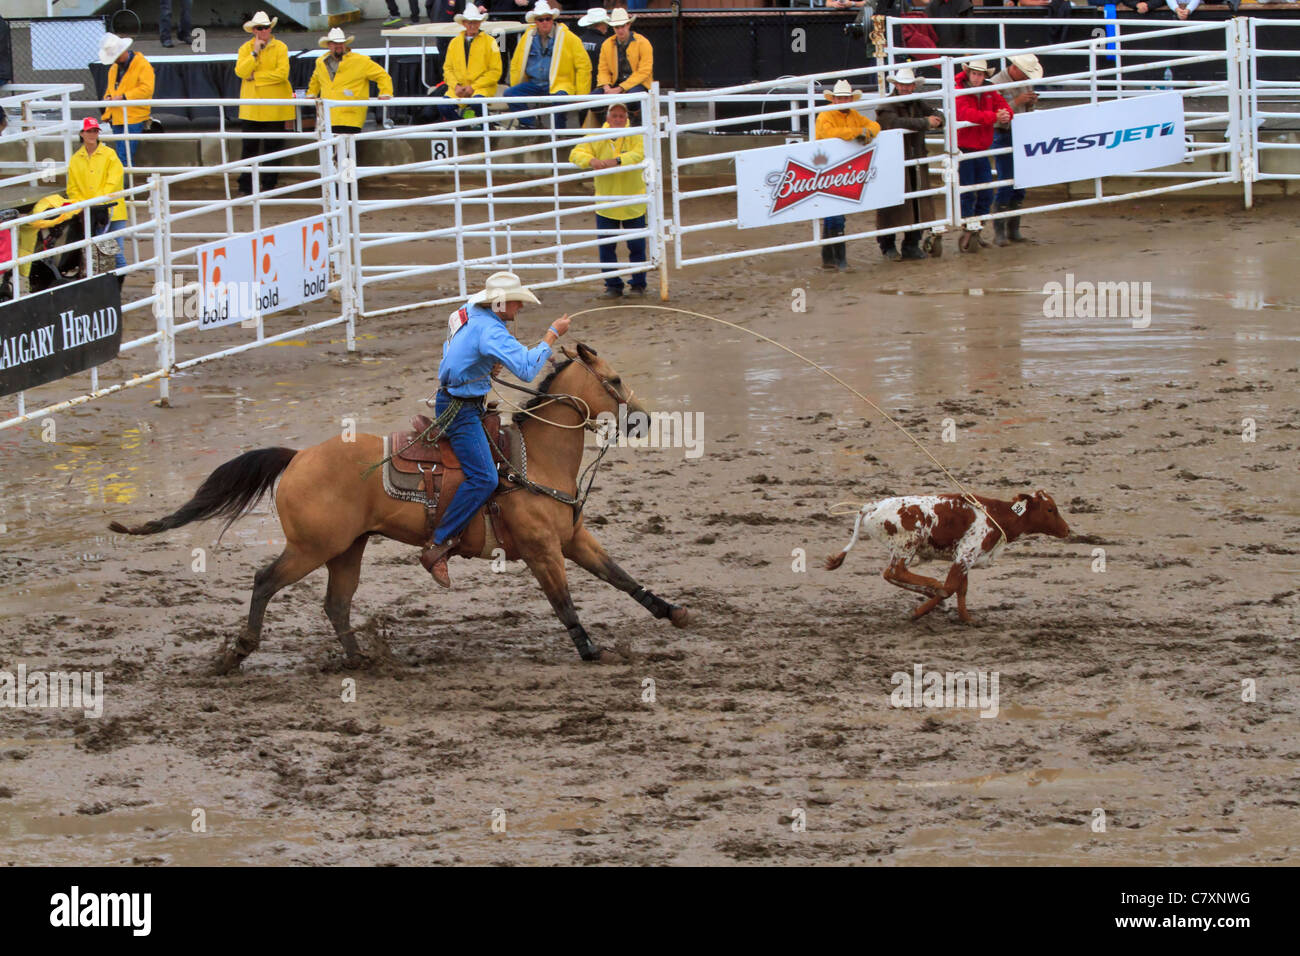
(587, 352)
(571, 356)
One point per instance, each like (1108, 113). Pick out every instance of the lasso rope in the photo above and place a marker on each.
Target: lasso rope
(966, 494)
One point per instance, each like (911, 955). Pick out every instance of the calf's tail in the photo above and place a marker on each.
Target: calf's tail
(835, 560)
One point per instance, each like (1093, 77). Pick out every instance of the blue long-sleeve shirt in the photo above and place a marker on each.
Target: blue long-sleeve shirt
(538, 66)
(468, 356)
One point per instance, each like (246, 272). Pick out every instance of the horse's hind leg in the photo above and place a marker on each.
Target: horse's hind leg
(585, 551)
(345, 574)
(292, 565)
(547, 565)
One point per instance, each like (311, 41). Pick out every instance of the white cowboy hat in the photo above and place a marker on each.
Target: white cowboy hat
(904, 76)
(503, 287)
(593, 16)
(1029, 65)
(618, 17)
(260, 19)
(842, 88)
(111, 47)
(541, 9)
(979, 66)
(471, 12)
(335, 36)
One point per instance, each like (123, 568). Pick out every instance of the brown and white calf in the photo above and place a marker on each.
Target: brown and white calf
(948, 527)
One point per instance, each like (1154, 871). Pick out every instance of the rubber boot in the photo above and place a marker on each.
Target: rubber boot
(841, 254)
(828, 256)
(969, 241)
(1000, 227)
(912, 250)
(890, 252)
(1013, 224)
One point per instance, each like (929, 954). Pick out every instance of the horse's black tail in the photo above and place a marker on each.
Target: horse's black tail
(229, 492)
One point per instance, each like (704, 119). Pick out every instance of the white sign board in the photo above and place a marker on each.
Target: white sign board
(828, 177)
(1097, 139)
(259, 273)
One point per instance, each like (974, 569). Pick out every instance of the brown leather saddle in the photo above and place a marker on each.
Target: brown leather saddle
(440, 471)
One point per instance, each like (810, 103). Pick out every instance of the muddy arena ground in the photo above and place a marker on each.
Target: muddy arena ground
(1120, 689)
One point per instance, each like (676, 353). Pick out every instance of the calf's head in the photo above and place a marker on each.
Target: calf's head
(1040, 514)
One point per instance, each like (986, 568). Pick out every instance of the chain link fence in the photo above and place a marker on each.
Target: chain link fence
(52, 50)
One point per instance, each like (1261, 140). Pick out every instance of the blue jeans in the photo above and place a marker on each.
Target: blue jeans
(832, 224)
(1006, 169)
(125, 149)
(608, 228)
(113, 226)
(470, 443)
(529, 88)
(972, 172)
(452, 108)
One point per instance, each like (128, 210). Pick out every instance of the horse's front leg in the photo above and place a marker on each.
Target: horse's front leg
(585, 551)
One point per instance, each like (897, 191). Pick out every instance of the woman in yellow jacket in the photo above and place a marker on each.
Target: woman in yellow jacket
(606, 154)
(844, 123)
(550, 59)
(472, 67)
(96, 171)
(263, 67)
(342, 75)
(130, 77)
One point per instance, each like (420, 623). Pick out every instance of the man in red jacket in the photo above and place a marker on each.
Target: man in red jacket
(984, 109)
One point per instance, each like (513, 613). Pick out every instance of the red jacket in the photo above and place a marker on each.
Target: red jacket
(979, 108)
(919, 35)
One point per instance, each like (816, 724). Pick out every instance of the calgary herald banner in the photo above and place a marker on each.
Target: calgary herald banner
(259, 273)
(54, 334)
(1097, 139)
(829, 177)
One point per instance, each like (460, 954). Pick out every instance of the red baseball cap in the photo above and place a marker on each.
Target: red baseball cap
(89, 123)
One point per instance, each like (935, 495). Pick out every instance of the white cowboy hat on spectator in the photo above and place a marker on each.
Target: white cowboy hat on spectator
(979, 66)
(503, 287)
(471, 12)
(593, 16)
(842, 88)
(541, 9)
(618, 17)
(904, 76)
(260, 19)
(111, 47)
(1029, 65)
(335, 36)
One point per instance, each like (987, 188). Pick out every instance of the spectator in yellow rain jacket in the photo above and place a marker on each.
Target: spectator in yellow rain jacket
(263, 66)
(843, 123)
(96, 171)
(130, 77)
(472, 67)
(342, 75)
(627, 59)
(607, 154)
(550, 59)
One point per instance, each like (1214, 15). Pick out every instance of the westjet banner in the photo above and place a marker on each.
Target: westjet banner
(1102, 139)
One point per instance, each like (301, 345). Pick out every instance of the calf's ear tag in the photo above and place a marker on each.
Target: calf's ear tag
(1019, 507)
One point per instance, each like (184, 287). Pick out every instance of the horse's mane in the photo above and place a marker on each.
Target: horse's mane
(546, 384)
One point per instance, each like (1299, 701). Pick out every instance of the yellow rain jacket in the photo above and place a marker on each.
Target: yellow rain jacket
(351, 80)
(640, 56)
(135, 83)
(628, 150)
(266, 77)
(845, 124)
(27, 233)
(98, 175)
(482, 70)
(570, 65)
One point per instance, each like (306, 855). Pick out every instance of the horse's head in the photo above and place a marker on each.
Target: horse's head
(590, 378)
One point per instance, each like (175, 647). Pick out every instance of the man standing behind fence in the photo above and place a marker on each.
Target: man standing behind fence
(607, 154)
(472, 67)
(549, 59)
(917, 117)
(343, 75)
(844, 123)
(263, 66)
(130, 77)
(1023, 69)
(626, 59)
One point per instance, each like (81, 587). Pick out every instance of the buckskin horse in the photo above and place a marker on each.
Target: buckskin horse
(331, 499)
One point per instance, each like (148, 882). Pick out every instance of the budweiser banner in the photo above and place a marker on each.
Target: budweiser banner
(829, 177)
(50, 335)
(262, 272)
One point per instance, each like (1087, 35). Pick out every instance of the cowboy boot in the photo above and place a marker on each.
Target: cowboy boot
(912, 250)
(434, 560)
(1013, 224)
(1000, 226)
(969, 241)
(889, 250)
(828, 256)
(841, 256)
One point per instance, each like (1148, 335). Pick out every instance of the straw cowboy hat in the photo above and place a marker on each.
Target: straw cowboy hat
(260, 19)
(111, 47)
(842, 88)
(618, 17)
(335, 36)
(593, 16)
(541, 9)
(503, 287)
(471, 12)
(904, 76)
(1029, 65)
(979, 66)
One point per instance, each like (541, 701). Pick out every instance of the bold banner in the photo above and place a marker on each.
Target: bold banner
(1102, 139)
(262, 272)
(829, 177)
(54, 334)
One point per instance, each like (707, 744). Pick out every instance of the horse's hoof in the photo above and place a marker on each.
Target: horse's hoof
(606, 655)
(226, 662)
(680, 617)
(357, 662)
